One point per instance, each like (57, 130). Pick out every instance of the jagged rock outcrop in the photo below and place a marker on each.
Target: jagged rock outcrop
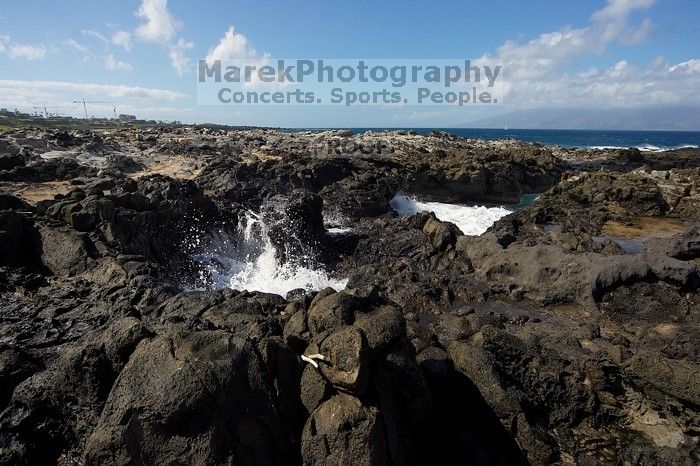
(566, 334)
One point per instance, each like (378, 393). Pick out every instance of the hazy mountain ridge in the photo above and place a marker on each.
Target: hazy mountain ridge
(649, 119)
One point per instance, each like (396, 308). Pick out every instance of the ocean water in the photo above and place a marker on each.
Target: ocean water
(471, 219)
(253, 263)
(250, 262)
(643, 140)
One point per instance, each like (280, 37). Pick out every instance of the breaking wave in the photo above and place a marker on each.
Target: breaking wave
(472, 220)
(646, 147)
(253, 263)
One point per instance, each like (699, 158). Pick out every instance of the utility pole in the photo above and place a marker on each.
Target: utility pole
(84, 106)
(45, 108)
(85, 102)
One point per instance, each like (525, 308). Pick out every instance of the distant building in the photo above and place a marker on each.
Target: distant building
(126, 118)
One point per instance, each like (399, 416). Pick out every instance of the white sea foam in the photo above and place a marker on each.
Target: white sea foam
(339, 230)
(646, 147)
(472, 220)
(253, 264)
(333, 218)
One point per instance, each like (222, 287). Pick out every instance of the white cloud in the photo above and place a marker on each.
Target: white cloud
(160, 25)
(112, 64)
(538, 72)
(615, 9)
(101, 90)
(690, 66)
(233, 46)
(177, 55)
(59, 96)
(122, 39)
(80, 49)
(24, 98)
(75, 46)
(637, 35)
(552, 52)
(236, 47)
(158, 112)
(621, 85)
(26, 51)
(96, 35)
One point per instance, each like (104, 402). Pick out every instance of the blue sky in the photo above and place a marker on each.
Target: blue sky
(141, 54)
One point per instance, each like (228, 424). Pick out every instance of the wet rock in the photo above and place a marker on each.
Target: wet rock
(543, 341)
(314, 388)
(346, 365)
(53, 412)
(253, 315)
(381, 326)
(435, 361)
(478, 366)
(331, 311)
(506, 402)
(343, 431)
(15, 366)
(679, 379)
(190, 397)
(363, 195)
(9, 202)
(305, 213)
(453, 327)
(632, 155)
(65, 252)
(295, 223)
(19, 240)
(296, 332)
(498, 176)
(10, 156)
(441, 234)
(119, 165)
(122, 337)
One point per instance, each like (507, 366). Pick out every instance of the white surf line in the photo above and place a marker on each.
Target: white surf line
(472, 220)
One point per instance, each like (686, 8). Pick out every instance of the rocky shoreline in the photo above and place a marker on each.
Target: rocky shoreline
(566, 334)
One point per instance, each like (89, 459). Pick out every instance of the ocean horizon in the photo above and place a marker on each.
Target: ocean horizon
(652, 141)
